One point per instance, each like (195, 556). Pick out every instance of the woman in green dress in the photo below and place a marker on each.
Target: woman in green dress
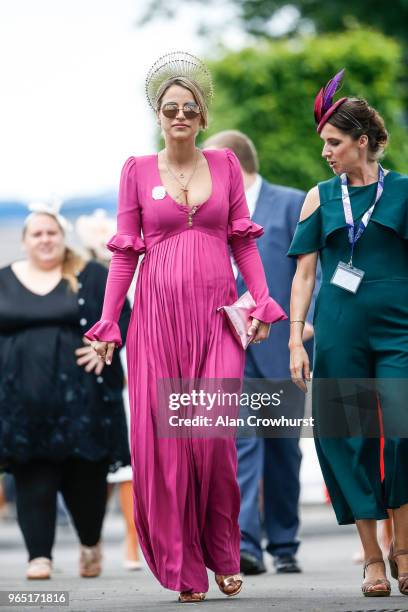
(357, 225)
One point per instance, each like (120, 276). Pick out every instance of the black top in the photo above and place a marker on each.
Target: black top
(50, 407)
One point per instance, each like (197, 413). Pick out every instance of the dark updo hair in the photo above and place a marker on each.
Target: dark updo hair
(355, 117)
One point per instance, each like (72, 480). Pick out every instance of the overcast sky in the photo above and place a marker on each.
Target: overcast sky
(72, 104)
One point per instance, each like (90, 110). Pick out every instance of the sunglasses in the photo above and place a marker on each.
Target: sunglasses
(190, 110)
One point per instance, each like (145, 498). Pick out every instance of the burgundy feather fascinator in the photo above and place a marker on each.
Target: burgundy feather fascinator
(324, 107)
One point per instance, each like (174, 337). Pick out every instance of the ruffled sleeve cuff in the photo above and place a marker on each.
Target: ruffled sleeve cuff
(244, 227)
(269, 312)
(105, 331)
(126, 242)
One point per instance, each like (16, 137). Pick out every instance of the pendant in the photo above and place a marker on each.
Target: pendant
(191, 213)
(181, 175)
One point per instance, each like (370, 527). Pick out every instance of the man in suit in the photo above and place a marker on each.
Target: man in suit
(275, 462)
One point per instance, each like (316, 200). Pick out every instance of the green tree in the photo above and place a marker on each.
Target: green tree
(332, 15)
(326, 16)
(268, 92)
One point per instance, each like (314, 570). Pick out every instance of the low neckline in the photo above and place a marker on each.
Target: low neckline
(186, 206)
(41, 295)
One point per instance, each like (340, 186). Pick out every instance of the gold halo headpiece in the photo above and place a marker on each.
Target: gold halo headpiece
(178, 64)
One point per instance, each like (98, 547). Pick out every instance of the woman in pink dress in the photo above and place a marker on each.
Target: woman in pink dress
(190, 206)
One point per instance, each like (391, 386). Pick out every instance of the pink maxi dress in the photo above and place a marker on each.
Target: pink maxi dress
(185, 490)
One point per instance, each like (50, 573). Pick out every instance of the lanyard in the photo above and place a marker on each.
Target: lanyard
(352, 234)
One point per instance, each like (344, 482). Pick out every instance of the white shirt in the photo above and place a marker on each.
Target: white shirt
(252, 195)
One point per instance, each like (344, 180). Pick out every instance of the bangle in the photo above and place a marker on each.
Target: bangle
(296, 321)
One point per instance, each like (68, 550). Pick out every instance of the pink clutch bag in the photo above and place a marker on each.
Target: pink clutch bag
(238, 317)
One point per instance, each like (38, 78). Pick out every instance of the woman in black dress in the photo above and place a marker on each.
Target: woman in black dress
(62, 422)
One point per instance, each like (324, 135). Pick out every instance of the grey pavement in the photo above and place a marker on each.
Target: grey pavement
(330, 581)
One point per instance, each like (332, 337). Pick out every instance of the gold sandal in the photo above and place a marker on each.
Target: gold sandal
(368, 588)
(402, 578)
(224, 583)
(191, 597)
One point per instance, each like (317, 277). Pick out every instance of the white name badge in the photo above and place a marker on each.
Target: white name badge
(158, 193)
(347, 277)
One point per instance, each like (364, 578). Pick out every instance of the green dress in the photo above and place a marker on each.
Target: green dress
(361, 336)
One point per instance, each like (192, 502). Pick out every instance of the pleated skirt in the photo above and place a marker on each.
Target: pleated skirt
(185, 489)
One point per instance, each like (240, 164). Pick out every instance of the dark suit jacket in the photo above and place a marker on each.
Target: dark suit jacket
(277, 210)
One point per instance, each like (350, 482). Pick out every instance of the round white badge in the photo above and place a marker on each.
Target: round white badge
(158, 193)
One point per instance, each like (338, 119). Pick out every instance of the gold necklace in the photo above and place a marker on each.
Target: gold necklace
(184, 186)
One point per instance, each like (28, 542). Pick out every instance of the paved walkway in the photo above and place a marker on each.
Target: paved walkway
(330, 582)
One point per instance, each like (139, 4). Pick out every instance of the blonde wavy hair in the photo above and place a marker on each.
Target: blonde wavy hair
(72, 264)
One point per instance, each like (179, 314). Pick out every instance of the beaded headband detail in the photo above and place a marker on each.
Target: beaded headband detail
(178, 64)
